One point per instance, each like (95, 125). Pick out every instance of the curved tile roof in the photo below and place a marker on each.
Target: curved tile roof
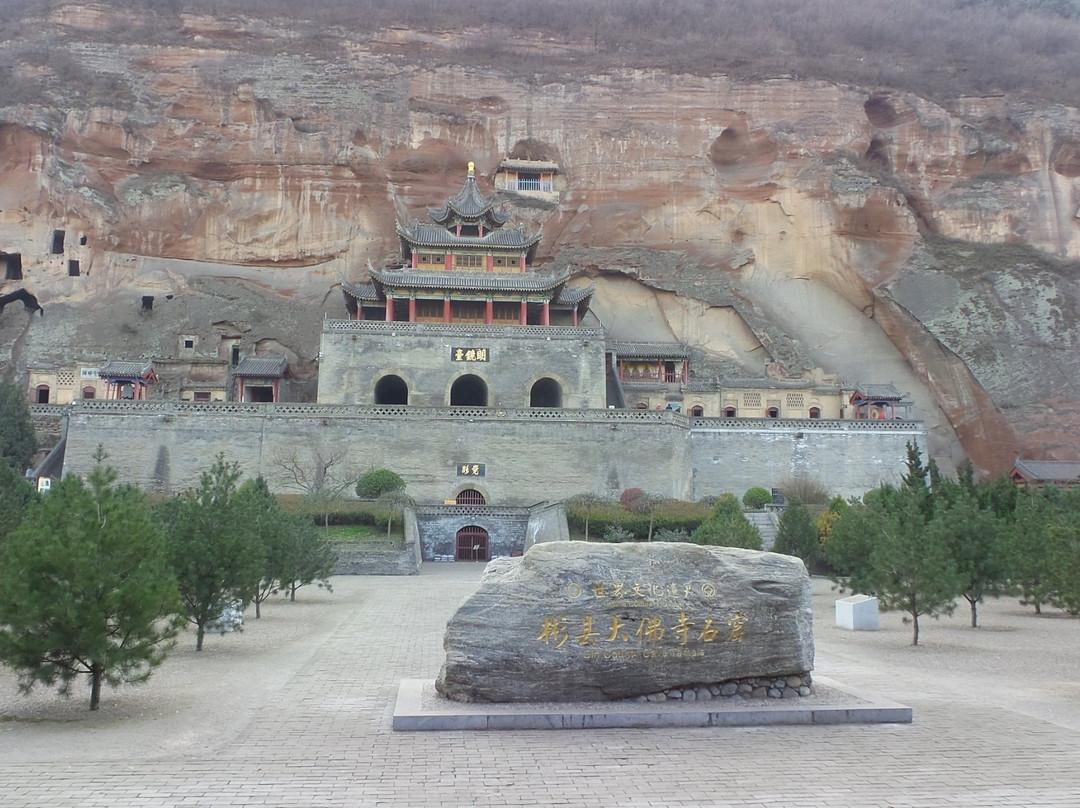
(1048, 470)
(649, 350)
(482, 281)
(571, 297)
(469, 203)
(125, 369)
(418, 234)
(361, 291)
(262, 366)
(878, 392)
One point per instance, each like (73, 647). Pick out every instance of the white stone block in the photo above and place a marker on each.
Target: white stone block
(857, 613)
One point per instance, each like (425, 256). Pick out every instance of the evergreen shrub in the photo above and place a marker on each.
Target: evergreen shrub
(756, 498)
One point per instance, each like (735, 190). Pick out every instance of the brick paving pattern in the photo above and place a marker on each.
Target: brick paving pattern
(297, 711)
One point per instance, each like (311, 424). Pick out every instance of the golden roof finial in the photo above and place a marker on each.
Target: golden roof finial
(472, 168)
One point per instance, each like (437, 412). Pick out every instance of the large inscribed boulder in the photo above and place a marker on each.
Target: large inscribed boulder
(579, 621)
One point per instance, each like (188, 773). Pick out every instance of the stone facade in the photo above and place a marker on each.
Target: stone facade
(527, 455)
(356, 355)
(509, 531)
(847, 457)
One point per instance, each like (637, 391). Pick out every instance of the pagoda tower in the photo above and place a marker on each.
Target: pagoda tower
(466, 265)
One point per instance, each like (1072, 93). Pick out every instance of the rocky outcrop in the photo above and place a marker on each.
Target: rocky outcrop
(782, 222)
(577, 621)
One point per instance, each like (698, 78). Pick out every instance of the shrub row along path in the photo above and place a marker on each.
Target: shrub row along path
(297, 711)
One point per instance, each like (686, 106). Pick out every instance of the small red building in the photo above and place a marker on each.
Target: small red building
(126, 380)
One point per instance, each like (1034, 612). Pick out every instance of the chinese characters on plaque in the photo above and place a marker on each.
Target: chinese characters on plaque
(469, 354)
(471, 470)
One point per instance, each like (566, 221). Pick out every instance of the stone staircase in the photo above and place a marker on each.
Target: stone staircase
(767, 523)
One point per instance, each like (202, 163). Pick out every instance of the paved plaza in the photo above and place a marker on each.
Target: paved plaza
(297, 711)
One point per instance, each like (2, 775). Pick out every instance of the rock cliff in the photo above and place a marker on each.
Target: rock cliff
(236, 172)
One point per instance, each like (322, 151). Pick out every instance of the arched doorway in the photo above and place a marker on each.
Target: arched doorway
(697, 411)
(472, 544)
(773, 412)
(42, 394)
(729, 412)
(545, 393)
(815, 412)
(470, 496)
(391, 389)
(469, 391)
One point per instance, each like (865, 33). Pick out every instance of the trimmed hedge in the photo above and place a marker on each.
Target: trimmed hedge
(669, 515)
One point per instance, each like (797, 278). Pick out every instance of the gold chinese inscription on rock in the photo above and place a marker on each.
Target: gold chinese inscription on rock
(639, 593)
(645, 635)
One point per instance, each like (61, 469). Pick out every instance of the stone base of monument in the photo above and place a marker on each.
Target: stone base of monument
(420, 708)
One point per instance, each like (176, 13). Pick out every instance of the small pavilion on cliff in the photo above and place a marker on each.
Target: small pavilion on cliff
(467, 266)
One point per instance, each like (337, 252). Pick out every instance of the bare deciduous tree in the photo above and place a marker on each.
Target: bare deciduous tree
(322, 475)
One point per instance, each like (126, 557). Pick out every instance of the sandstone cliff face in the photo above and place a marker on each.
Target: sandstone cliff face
(785, 221)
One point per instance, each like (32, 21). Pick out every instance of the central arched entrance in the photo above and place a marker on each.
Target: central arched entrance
(391, 389)
(545, 393)
(472, 544)
(469, 391)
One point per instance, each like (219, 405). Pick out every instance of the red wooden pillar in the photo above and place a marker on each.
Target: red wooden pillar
(521, 263)
(277, 382)
(389, 309)
(523, 318)
(685, 370)
(545, 318)
(489, 263)
(241, 394)
(575, 316)
(489, 312)
(415, 260)
(359, 310)
(446, 310)
(412, 309)
(448, 262)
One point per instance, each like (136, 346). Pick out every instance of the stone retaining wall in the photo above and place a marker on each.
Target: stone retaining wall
(526, 455)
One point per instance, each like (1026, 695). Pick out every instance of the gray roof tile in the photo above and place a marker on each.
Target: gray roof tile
(125, 369)
(264, 367)
(1048, 470)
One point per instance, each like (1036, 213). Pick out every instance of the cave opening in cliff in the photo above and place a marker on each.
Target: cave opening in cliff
(12, 266)
(148, 303)
(58, 242)
(73, 268)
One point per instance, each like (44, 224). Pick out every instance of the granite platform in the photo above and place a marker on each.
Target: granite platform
(420, 708)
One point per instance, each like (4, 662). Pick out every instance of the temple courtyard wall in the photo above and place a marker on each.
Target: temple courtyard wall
(513, 457)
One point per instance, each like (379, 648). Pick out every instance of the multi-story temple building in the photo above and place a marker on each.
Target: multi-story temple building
(465, 321)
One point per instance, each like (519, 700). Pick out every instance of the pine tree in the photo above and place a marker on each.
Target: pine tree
(18, 442)
(87, 591)
(797, 535)
(214, 546)
(727, 529)
(16, 494)
(307, 557)
(883, 548)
